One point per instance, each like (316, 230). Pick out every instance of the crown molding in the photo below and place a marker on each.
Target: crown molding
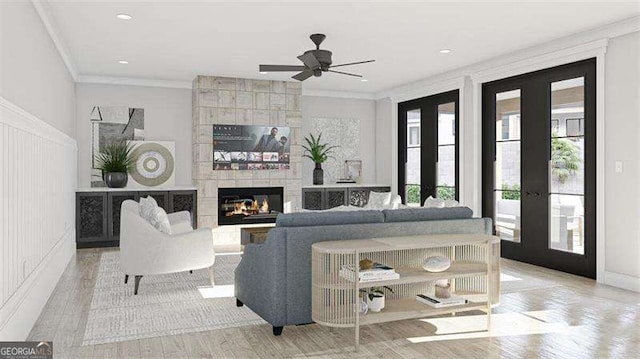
(339, 94)
(42, 8)
(133, 81)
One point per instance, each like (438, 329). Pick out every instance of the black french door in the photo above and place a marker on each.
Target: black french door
(539, 166)
(428, 148)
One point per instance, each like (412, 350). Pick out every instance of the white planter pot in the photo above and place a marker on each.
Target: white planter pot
(376, 304)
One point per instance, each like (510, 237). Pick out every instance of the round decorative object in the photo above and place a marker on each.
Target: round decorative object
(153, 164)
(436, 264)
(366, 264)
(116, 179)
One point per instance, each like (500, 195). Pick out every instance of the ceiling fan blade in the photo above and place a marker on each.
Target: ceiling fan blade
(353, 63)
(309, 60)
(276, 68)
(344, 73)
(303, 75)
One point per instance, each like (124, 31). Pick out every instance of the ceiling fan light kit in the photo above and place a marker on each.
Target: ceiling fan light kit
(315, 62)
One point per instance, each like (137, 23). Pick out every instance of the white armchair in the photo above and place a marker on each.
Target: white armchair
(144, 250)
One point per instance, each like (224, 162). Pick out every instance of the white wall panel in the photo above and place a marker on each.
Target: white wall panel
(38, 174)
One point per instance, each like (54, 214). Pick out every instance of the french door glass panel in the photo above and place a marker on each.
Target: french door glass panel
(566, 167)
(446, 171)
(507, 186)
(412, 174)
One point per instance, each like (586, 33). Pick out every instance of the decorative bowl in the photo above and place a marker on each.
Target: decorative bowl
(436, 264)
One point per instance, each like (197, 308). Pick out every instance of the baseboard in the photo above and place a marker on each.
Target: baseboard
(21, 311)
(622, 281)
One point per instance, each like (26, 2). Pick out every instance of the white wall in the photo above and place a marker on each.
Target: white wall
(347, 108)
(621, 127)
(384, 142)
(37, 168)
(32, 73)
(622, 81)
(167, 117)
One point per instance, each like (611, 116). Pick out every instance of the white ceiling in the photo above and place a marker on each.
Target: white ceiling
(172, 40)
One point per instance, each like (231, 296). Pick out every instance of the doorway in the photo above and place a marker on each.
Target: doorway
(539, 159)
(428, 150)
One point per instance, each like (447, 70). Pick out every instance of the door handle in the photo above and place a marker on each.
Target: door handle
(537, 194)
(527, 193)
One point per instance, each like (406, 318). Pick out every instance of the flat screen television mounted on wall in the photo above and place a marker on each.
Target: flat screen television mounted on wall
(251, 147)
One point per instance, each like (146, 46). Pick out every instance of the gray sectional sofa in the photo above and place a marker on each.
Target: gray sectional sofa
(274, 278)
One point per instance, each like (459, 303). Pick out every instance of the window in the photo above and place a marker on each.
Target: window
(414, 135)
(574, 127)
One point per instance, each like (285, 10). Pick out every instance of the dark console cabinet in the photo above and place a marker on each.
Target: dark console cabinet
(325, 197)
(98, 212)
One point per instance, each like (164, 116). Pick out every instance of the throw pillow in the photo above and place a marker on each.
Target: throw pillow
(451, 203)
(160, 220)
(433, 203)
(147, 205)
(378, 200)
(396, 202)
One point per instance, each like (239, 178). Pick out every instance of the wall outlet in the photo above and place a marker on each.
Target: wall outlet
(618, 166)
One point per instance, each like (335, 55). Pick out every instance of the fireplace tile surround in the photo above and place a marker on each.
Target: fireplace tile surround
(233, 101)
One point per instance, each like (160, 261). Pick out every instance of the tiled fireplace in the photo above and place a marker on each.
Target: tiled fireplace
(230, 101)
(249, 205)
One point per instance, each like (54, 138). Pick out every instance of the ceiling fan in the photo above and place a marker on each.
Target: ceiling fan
(315, 63)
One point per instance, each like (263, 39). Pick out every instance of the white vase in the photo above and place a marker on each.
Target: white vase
(376, 304)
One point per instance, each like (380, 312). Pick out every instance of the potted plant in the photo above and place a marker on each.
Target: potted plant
(318, 152)
(114, 162)
(376, 298)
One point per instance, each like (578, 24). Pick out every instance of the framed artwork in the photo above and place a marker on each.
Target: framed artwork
(111, 124)
(154, 164)
(353, 169)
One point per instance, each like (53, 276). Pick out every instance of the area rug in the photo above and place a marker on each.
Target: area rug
(165, 305)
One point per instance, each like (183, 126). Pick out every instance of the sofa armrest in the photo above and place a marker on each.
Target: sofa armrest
(260, 278)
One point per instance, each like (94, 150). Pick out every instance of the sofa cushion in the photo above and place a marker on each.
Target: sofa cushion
(426, 214)
(305, 219)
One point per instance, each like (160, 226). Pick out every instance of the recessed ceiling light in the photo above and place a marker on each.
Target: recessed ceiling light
(123, 62)
(363, 80)
(124, 16)
(445, 51)
(263, 72)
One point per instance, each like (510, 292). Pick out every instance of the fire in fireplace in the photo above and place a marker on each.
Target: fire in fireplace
(249, 205)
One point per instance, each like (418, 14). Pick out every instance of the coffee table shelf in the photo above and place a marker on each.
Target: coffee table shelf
(336, 301)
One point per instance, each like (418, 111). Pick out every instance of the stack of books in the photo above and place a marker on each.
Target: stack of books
(435, 302)
(379, 272)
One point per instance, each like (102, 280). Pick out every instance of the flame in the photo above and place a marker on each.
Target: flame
(254, 208)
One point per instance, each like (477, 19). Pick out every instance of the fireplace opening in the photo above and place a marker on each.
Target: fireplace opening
(249, 205)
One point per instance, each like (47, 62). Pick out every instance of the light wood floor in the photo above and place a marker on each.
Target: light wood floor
(543, 314)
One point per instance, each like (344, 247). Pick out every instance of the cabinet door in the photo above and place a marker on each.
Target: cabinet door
(359, 196)
(313, 198)
(115, 202)
(161, 197)
(335, 197)
(184, 201)
(91, 218)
